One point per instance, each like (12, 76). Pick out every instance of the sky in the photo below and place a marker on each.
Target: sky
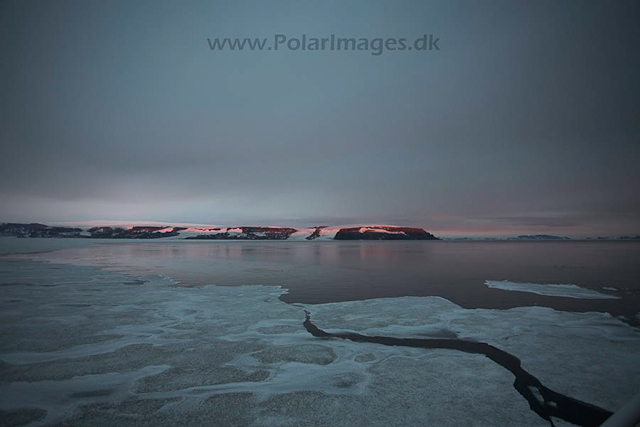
(524, 120)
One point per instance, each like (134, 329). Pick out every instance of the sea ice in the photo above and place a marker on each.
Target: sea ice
(568, 291)
(86, 346)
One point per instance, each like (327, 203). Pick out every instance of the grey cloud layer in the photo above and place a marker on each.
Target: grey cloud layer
(525, 117)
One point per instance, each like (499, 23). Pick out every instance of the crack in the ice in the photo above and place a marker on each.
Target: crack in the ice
(542, 400)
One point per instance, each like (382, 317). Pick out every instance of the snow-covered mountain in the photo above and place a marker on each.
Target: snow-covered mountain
(359, 232)
(364, 232)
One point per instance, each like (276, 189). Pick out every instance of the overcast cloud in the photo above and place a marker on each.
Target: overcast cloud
(525, 120)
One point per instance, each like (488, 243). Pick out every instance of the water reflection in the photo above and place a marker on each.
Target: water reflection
(317, 272)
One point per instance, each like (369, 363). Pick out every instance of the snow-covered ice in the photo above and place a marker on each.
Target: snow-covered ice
(86, 346)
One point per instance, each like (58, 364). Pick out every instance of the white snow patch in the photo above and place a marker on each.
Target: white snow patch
(201, 230)
(379, 230)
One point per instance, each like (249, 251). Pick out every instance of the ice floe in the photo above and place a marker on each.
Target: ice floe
(568, 291)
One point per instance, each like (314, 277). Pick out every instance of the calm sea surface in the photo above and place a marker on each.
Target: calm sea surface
(320, 272)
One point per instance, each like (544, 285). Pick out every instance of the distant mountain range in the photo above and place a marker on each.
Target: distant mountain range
(191, 232)
(539, 237)
(550, 237)
(365, 232)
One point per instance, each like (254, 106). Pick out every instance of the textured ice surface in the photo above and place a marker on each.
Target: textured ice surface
(86, 346)
(569, 291)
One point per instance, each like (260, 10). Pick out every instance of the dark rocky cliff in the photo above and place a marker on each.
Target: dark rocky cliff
(384, 233)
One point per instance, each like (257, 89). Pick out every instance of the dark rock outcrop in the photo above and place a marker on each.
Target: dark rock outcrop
(132, 233)
(38, 230)
(316, 232)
